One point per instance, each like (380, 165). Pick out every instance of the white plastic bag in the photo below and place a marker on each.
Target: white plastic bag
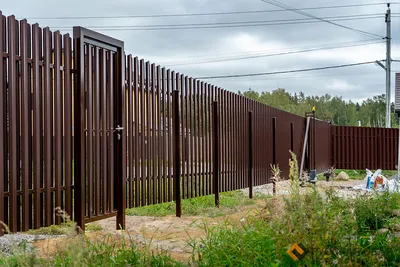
(380, 185)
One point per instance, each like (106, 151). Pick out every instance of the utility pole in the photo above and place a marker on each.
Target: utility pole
(388, 65)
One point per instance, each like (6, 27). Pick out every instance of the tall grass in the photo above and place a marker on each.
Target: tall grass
(81, 251)
(335, 231)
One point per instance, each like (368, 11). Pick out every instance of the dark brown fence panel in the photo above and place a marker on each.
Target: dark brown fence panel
(137, 156)
(232, 153)
(129, 133)
(147, 129)
(163, 135)
(13, 124)
(35, 163)
(283, 142)
(149, 138)
(223, 120)
(169, 132)
(183, 137)
(207, 139)
(58, 120)
(323, 145)
(361, 147)
(48, 128)
(153, 130)
(67, 149)
(203, 110)
(160, 159)
(191, 167)
(183, 128)
(3, 123)
(26, 134)
(195, 138)
(142, 134)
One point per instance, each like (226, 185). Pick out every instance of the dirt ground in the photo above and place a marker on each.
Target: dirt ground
(172, 234)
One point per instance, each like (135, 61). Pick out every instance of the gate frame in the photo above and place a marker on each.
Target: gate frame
(80, 37)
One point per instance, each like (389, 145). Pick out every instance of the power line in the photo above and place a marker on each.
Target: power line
(308, 76)
(287, 71)
(202, 14)
(258, 52)
(178, 27)
(287, 7)
(205, 61)
(374, 15)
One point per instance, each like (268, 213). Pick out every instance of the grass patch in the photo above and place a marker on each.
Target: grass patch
(360, 174)
(205, 205)
(374, 213)
(61, 229)
(66, 228)
(93, 227)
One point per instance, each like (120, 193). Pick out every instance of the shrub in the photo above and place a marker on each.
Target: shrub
(373, 213)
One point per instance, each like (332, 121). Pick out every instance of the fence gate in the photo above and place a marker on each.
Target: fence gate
(99, 94)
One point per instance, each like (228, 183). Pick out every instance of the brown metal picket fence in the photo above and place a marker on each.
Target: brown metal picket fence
(35, 124)
(363, 147)
(85, 128)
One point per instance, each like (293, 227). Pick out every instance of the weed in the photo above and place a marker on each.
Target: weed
(276, 176)
(93, 227)
(374, 212)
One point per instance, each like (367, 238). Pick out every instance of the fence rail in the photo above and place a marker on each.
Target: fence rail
(39, 126)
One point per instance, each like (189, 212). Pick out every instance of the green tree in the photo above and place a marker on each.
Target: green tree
(370, 112)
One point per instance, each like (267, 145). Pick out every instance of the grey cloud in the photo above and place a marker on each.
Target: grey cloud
(160, 45)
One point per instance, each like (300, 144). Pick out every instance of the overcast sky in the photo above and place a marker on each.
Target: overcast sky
(191, 45)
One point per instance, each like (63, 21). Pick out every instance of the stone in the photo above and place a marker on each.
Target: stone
(396, 213)
(395, 227)
(342, 176)
(382, 231)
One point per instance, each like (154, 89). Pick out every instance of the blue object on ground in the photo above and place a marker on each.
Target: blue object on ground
(313, 175)
(368, 181)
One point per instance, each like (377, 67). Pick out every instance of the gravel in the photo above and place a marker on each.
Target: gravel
(343, 188)
(19, 242)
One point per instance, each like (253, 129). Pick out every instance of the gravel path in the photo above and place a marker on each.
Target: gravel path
(344, 188)
(19, 242)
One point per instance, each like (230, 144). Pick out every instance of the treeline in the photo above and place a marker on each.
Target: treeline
(369, 113)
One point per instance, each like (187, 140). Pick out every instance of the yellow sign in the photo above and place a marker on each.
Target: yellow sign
(301, 252)
(314, 109)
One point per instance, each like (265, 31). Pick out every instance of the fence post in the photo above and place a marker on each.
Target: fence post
(250, 154)
(215, 117)
(177, 148)
(79, 139)
(120, 145)
(274, 140)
